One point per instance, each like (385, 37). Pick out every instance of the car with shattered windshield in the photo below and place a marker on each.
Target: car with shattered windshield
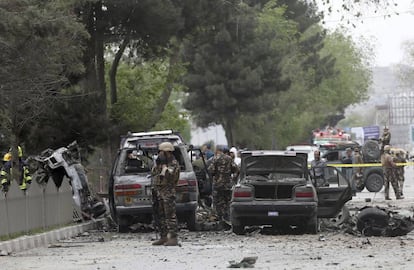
(130, 183)
(275, 188)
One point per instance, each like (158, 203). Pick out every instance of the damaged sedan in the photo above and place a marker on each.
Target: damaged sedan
(275, 188)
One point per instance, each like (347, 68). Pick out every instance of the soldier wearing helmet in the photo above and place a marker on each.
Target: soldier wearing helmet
(385, 138)
(6, 171)
(165, 173)
(389, 169)
(225, 173)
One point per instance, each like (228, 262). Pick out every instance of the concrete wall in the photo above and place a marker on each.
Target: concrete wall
(40, 207)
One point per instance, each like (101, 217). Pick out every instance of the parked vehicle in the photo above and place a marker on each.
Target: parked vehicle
(275, 188)
(130, 184)
(373, 177)
(308, 149)
(66, 162)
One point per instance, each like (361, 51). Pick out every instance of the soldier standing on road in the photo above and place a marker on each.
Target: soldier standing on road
(400, 158)
(166, 173)
(389, 168)
(385, 139)
(357, 176)
(317, 169)
(225, 173)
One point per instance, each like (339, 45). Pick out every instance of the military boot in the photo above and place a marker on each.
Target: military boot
(160, 241)
(173, 241)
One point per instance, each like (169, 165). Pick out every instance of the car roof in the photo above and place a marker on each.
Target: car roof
(150, 139)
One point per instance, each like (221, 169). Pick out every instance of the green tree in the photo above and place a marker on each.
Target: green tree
(40, 51)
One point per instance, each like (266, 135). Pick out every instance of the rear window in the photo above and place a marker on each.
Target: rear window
(129, 163)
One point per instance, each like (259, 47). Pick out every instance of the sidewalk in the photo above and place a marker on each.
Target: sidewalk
(46, 238)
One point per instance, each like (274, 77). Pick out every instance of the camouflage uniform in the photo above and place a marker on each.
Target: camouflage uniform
(389, 168)
(385, 139)
(224, 172)
(357, 176)
(399, 171)
(164, 188)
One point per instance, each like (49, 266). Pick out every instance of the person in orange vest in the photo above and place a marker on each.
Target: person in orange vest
(5, 173)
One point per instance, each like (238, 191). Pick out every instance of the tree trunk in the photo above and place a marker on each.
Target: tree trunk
(228, 130)
(114, 69)
(100, 61)
(165, 95)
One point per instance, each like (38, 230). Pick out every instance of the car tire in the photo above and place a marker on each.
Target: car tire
(238, 229)
(372, 221)
(123, 225)
(191, 221)
(312, 227)
(371, 151)
(374, 182)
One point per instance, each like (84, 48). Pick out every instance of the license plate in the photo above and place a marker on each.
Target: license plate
(148, 191)
(272, 214)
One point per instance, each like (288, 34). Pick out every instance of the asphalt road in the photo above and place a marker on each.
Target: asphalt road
(101, 250)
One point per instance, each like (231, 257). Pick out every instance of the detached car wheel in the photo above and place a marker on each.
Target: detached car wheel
(374, 182)
(372, 221)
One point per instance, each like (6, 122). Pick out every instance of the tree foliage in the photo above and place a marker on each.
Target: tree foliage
(40, 49)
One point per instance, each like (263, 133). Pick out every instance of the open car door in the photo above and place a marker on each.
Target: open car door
(333, 194)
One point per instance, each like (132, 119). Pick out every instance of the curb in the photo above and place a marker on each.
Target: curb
(43, 239)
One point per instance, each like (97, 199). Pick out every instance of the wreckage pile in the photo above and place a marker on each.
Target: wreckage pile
(372, 221)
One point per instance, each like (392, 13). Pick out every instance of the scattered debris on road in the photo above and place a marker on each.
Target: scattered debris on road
(246, 262)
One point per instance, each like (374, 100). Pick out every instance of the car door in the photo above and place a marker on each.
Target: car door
(332, 197)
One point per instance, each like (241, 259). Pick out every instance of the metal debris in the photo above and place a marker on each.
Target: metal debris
(246, 262)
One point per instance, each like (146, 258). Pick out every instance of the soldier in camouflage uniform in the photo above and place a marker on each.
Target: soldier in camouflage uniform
(385, 138)
(357, 176)
(225, 173)
(166, 173)
(389, 168)
(399, 171)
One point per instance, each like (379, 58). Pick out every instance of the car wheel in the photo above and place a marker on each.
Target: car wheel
(191, 221)
(238, 229)
(374, 182)
(123, 225)
(312, 226)
(372, 221)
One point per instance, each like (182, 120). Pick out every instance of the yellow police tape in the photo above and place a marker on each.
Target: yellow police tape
(366, 164)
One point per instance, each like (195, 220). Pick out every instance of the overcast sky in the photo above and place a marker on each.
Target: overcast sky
(389, 34)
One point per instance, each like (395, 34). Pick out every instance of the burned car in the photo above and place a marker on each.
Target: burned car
(130, 183)
(275, 188)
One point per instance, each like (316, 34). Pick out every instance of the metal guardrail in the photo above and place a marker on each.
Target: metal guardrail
(39, 207)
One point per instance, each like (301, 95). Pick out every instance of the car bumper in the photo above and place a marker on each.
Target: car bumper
(262, 213)
(137, 210)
